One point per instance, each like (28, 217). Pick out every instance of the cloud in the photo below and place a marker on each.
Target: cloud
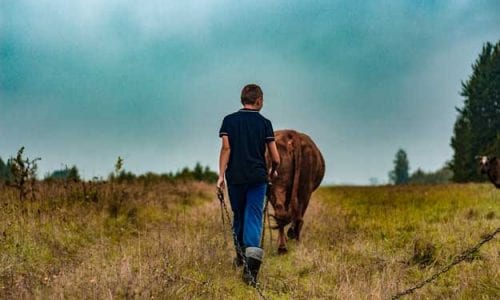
(151, 80)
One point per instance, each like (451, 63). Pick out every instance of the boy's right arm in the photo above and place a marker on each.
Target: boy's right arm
(272, 148)
(275, 158)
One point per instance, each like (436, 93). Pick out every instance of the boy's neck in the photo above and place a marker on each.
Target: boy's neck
(251, 107)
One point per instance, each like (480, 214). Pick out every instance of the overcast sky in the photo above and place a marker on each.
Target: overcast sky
(84, 81)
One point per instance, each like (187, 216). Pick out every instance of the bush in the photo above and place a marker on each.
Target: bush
(442, 175)
(69, 174)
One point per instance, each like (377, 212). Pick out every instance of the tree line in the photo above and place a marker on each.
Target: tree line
(401, 172)
(197, 173)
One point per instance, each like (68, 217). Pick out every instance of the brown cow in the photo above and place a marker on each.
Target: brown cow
(491, 167)
(301, 170)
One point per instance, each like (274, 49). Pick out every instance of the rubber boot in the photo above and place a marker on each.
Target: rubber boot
(253, 257)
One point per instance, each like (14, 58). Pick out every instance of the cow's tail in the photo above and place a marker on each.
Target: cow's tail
(297, 158)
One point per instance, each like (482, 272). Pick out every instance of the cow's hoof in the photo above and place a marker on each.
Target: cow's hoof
(282, 250)
(291, 233)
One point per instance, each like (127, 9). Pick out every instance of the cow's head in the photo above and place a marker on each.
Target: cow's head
(484, 163)
(277, 196)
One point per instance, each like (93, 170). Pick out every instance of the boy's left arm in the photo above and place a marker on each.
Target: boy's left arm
(223, 160)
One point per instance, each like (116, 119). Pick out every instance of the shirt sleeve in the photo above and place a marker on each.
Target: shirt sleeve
(269, 132)
(224, 128)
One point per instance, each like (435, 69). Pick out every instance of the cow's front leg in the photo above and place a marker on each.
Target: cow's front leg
(282, 241)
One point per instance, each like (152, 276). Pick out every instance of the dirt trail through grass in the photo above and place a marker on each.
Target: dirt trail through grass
(184, 258)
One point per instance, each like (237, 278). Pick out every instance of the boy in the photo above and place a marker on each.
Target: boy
(245, 135)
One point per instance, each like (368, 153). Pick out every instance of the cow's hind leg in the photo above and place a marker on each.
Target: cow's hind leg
(291, 233)
(282, 241)
(298, 228)
(299, 221)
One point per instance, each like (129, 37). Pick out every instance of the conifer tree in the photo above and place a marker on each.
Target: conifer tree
(477, 128)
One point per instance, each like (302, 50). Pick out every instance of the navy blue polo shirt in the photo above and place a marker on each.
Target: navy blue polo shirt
(248, 132)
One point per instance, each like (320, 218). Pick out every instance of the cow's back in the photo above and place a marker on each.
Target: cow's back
(300, 154)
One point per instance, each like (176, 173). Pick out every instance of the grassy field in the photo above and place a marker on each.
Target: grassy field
(166, 241)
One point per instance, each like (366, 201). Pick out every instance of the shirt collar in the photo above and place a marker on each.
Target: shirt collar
(249, 110)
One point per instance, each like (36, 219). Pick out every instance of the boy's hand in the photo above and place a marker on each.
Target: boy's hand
(273, 174)
(220, 183)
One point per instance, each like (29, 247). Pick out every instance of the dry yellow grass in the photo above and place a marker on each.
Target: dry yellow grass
(165, 241)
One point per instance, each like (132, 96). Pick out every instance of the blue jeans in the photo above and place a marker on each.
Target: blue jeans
(247, 203)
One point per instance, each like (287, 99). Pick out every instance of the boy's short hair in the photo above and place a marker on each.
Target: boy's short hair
(250, 93)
